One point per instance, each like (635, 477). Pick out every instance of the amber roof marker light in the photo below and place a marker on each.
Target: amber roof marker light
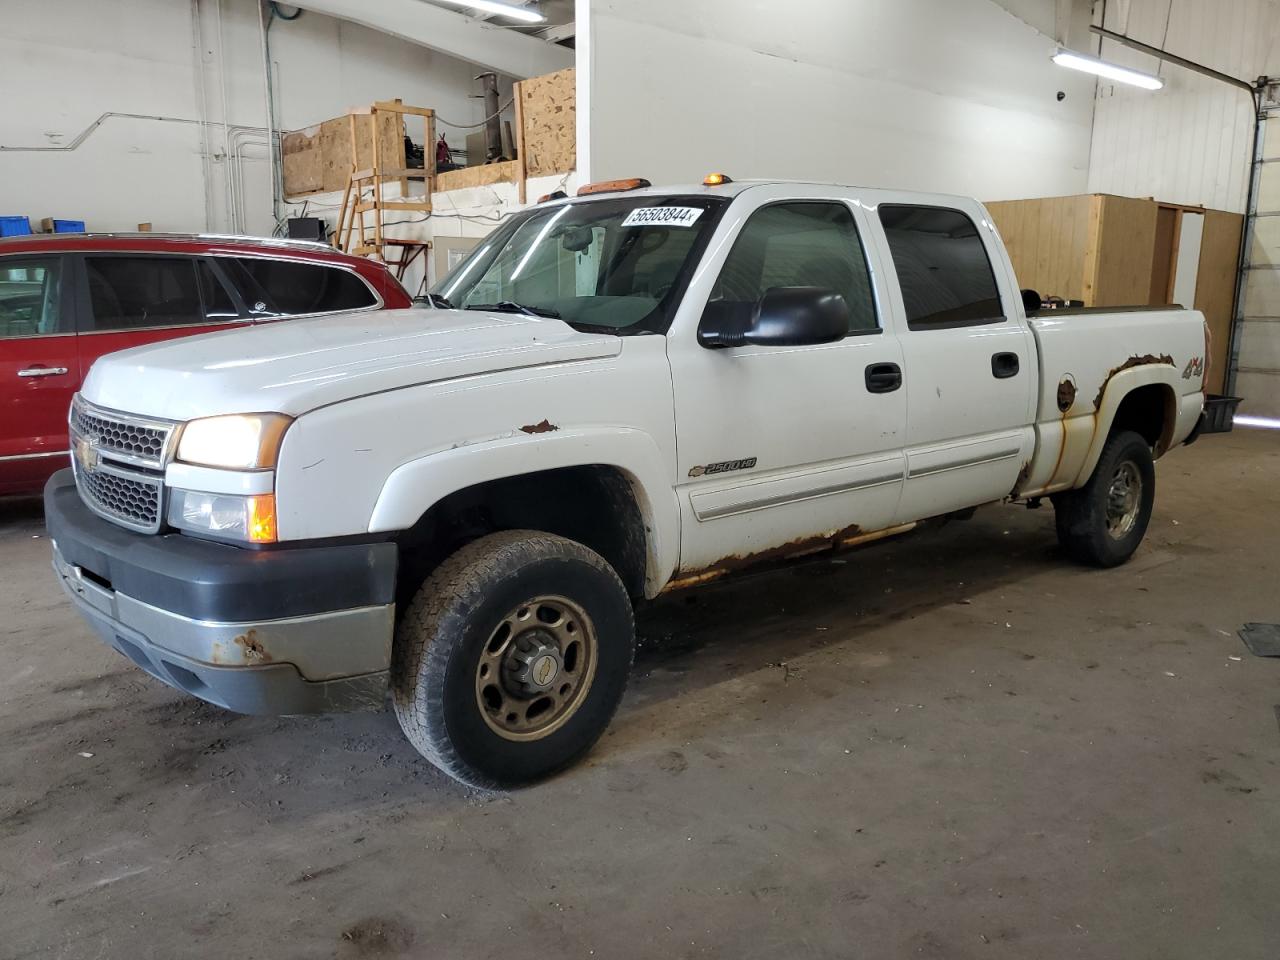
(613, 186)
(716, 180)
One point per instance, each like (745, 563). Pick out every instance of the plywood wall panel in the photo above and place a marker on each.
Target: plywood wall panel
(318, 159)
(549, 112)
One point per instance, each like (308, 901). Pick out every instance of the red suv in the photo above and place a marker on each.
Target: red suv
(66, 300)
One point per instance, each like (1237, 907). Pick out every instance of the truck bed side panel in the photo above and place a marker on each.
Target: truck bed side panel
(1088, 362)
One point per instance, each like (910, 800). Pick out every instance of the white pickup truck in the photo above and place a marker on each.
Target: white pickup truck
(619, 394)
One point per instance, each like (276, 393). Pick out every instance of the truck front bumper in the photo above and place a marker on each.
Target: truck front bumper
(282, 631)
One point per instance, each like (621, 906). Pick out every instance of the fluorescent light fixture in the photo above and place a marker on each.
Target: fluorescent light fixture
(1265, 423)
(1087, 64)
(500, 9)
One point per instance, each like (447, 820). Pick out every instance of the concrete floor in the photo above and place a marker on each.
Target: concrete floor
(954, 745)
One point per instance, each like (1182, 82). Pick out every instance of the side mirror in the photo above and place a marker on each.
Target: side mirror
(783, 317)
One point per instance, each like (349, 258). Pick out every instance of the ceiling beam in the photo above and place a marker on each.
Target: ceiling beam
(507, 52)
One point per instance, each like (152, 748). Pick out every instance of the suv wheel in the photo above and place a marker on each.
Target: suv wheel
(1103, 522)
(512, 658)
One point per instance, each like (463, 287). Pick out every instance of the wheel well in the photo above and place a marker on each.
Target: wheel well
(1150, 412)
(594, 505)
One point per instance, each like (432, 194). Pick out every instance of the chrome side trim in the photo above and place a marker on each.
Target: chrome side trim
(960, 465)
(764, 503)
(35, 456)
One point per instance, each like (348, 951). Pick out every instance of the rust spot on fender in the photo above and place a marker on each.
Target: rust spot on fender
(1147, 359)
(546, 426)
(849, 536)
(254, 651)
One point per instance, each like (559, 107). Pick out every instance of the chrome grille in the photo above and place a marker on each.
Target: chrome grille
(132, 437)
(134, 501)
(119, 464)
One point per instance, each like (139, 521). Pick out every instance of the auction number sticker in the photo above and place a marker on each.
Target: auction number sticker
(663, 217)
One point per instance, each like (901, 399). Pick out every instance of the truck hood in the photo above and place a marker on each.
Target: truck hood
(292, 366)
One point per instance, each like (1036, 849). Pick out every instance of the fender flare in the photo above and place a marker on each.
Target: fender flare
(1114, 390)
(416, 486)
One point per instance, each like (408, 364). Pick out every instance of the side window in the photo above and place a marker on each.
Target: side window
(131, 293)
(799, 244)
(942, 266)
(295, 287)
(30, 296)
(218, 303)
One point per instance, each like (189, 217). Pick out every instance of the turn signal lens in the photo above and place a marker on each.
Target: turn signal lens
(262, 518)
(716, 180)
(614, 186)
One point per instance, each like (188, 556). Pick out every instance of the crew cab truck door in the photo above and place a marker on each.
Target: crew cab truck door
(39, 371)
(968, 363)
(784, 447)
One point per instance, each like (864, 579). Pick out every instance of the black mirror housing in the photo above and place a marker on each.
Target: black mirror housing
(783, 317)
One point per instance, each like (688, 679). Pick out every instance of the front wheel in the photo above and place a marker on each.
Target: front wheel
(1103, 522)
(512, 658)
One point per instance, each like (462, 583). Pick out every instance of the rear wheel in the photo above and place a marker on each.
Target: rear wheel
(1103, 522)
(512, 658)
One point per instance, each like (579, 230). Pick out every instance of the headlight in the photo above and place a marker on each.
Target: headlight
(252, 519)
(238, 442)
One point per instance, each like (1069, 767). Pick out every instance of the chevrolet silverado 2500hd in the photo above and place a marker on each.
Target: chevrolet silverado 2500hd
(629, 391)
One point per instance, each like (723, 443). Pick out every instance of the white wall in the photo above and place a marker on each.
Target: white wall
(957, 96)
(63, 63)
(1192, 141)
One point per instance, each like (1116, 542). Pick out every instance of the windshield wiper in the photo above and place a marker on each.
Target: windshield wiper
(439, 301)
(510, 306)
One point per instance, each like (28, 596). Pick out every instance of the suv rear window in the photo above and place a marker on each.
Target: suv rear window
(942, 267)
(132, 293)
(294, 287)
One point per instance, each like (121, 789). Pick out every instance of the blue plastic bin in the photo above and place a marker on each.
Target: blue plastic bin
(15, 226)
(68, 226)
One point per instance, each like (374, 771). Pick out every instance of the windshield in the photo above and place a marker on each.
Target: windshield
(617, 265)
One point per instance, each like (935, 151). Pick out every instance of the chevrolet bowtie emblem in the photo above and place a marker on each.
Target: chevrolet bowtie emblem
(87, 453)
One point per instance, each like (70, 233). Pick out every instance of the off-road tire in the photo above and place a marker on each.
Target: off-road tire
(441, 638)
(1082, 516)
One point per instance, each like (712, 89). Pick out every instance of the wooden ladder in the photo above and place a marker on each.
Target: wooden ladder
(365, 194)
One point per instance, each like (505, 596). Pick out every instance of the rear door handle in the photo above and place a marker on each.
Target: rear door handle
(883, 377)
(1004, 365)
(42, 372)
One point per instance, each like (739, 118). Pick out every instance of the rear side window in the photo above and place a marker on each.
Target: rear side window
(799, 244)
(131, 293)
(30, 296)
(942, 266)
(294, 287)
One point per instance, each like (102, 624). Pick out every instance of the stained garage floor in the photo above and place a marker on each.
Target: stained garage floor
(955, 745)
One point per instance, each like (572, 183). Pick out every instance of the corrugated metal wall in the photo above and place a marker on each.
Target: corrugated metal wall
(1192, 141)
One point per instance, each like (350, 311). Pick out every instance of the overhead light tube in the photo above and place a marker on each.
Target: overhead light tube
(1101, 68)
(500, 9)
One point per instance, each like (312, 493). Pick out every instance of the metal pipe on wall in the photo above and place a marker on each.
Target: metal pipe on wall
(265, 16)
(202, 105)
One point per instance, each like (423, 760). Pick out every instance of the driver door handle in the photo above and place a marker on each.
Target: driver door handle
(883, 377)
(42, 372)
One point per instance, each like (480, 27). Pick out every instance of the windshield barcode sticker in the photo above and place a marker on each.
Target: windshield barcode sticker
(662, 217)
